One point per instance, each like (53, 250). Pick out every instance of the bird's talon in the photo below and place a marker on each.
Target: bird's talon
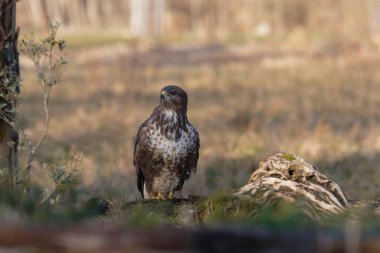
(170, 195)
(160, 196)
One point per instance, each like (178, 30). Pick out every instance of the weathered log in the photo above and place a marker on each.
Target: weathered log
(286, 177)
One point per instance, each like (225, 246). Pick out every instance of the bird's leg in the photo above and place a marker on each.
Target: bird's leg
(170, 195)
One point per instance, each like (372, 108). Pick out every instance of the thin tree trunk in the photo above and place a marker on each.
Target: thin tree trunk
(55, 11)
(159, 7)
(374, 17)
(139, 17)
(9, 86)
(93, 12)
(195, 16)
(37, 12)
(108, 11)
(76, 13)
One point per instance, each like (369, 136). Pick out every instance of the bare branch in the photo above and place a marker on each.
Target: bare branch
(47, 57)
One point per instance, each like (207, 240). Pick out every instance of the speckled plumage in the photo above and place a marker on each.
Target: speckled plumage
(166, 147)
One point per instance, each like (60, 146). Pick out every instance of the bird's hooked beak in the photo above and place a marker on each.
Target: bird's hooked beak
(163, 95)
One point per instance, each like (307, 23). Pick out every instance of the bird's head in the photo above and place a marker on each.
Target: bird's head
(173, 97)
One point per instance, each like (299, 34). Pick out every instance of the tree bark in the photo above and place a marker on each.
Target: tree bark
(9, 86)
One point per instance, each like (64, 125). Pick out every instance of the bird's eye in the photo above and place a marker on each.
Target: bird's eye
(173, 93)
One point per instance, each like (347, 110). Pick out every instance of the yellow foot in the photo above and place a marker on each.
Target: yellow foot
(163, 196)
(160, 196)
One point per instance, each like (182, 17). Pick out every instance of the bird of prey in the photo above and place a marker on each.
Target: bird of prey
(166, 148)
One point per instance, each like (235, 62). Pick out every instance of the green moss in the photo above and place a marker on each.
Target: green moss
(288, 157)
(151, 213)
(281, 216)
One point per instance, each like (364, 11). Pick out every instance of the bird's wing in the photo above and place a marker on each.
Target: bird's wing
(138, 157)
(193, 156)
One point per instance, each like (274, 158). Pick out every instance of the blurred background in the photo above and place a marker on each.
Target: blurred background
(261, 75)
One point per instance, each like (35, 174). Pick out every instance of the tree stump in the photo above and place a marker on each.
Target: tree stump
(287, 177)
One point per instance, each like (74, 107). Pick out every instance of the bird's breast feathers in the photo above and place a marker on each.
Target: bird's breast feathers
(168, 146)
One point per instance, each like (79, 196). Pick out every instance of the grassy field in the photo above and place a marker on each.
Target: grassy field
(246, 101)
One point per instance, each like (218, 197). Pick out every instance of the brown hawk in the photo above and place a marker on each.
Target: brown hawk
(166, 147)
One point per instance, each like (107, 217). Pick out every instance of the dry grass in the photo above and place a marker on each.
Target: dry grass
(319, 107)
